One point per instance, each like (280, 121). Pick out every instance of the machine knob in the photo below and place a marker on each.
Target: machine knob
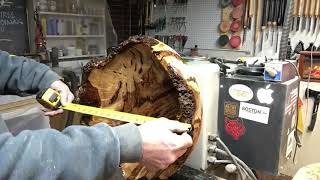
(231, 168)
(211, 148)
(211, 159)
(212, 137)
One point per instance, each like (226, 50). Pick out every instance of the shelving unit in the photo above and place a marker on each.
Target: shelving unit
(64, 29)
(81, 57)
(75, 36)
(69, 14)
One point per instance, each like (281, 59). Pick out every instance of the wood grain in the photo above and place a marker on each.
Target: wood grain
(143, 76)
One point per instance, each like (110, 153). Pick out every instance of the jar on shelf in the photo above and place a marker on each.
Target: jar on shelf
(42, 5)
(73, 6)
(52, 5)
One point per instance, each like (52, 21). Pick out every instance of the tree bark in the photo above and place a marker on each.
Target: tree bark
(143, 76)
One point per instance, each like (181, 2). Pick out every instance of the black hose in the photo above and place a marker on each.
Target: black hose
(224, 153)
(231, 156)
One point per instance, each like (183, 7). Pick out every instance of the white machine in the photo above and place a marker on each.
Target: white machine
(207, 76)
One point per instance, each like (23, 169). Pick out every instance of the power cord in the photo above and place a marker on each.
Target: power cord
(240, 165)
(231, 156)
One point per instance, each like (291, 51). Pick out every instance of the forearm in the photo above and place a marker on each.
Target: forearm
(76, 153)
(19, 74)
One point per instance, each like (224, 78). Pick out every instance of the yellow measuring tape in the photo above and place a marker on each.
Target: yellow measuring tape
(51, 99)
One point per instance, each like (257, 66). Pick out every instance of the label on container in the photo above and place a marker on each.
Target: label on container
(254, 112)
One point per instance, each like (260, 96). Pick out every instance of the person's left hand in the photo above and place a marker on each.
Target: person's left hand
(66, 97)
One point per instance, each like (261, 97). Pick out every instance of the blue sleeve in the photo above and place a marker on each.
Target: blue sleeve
(76, 153)
(19, 75)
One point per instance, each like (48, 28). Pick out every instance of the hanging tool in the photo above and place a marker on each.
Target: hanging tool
(276, 10)
(306, 15)
(270, 17)
(251, 12)
(245, 20)
(295, 15)
(51, 99)
(258, 24)
(317, 28)
(312, 16)
(301, 13)
(296, 37)
(307, 34)
(317, 15)
(280, 20)
(264, 21)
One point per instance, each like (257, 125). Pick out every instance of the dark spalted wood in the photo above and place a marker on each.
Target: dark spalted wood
(143, 76)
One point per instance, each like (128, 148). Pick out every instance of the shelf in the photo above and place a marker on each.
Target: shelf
(69, 14)
(83, 56)
(75, 36)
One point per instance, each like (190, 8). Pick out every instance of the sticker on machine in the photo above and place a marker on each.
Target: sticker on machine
(241, 92)
(231, 109)
(254, 112)
(290, 144)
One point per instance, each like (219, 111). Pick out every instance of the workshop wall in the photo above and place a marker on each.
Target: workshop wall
(202, 27)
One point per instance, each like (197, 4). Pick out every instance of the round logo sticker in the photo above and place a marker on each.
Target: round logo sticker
(241, 92)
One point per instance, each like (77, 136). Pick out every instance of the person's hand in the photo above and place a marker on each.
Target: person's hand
(162, 145)
(66, 96)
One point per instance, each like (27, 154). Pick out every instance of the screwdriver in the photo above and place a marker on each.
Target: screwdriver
(276, 10)
(264, 21)
(270, 16)
(245, 21)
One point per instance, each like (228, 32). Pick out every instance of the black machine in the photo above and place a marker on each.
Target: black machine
(257, 120)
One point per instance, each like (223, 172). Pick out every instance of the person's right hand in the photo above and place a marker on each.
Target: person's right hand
(161, 145)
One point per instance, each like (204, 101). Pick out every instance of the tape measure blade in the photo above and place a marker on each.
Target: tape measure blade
(107, 113)
(111, 114)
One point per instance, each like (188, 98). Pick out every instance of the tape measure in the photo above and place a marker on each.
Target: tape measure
(51, 99)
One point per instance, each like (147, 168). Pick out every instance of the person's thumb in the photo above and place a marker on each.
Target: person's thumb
(64, 97)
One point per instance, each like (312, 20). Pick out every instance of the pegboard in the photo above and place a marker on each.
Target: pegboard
(202, 28)
(203, 19)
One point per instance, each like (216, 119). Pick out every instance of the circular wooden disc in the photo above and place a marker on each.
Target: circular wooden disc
(235, 41)
(237, 12)
(225, 3)
(224, 26)
(235, 26)
(223, 40)
(236, 2)
(143, 76)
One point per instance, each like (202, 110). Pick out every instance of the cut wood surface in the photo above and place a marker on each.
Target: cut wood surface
(143, 76)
